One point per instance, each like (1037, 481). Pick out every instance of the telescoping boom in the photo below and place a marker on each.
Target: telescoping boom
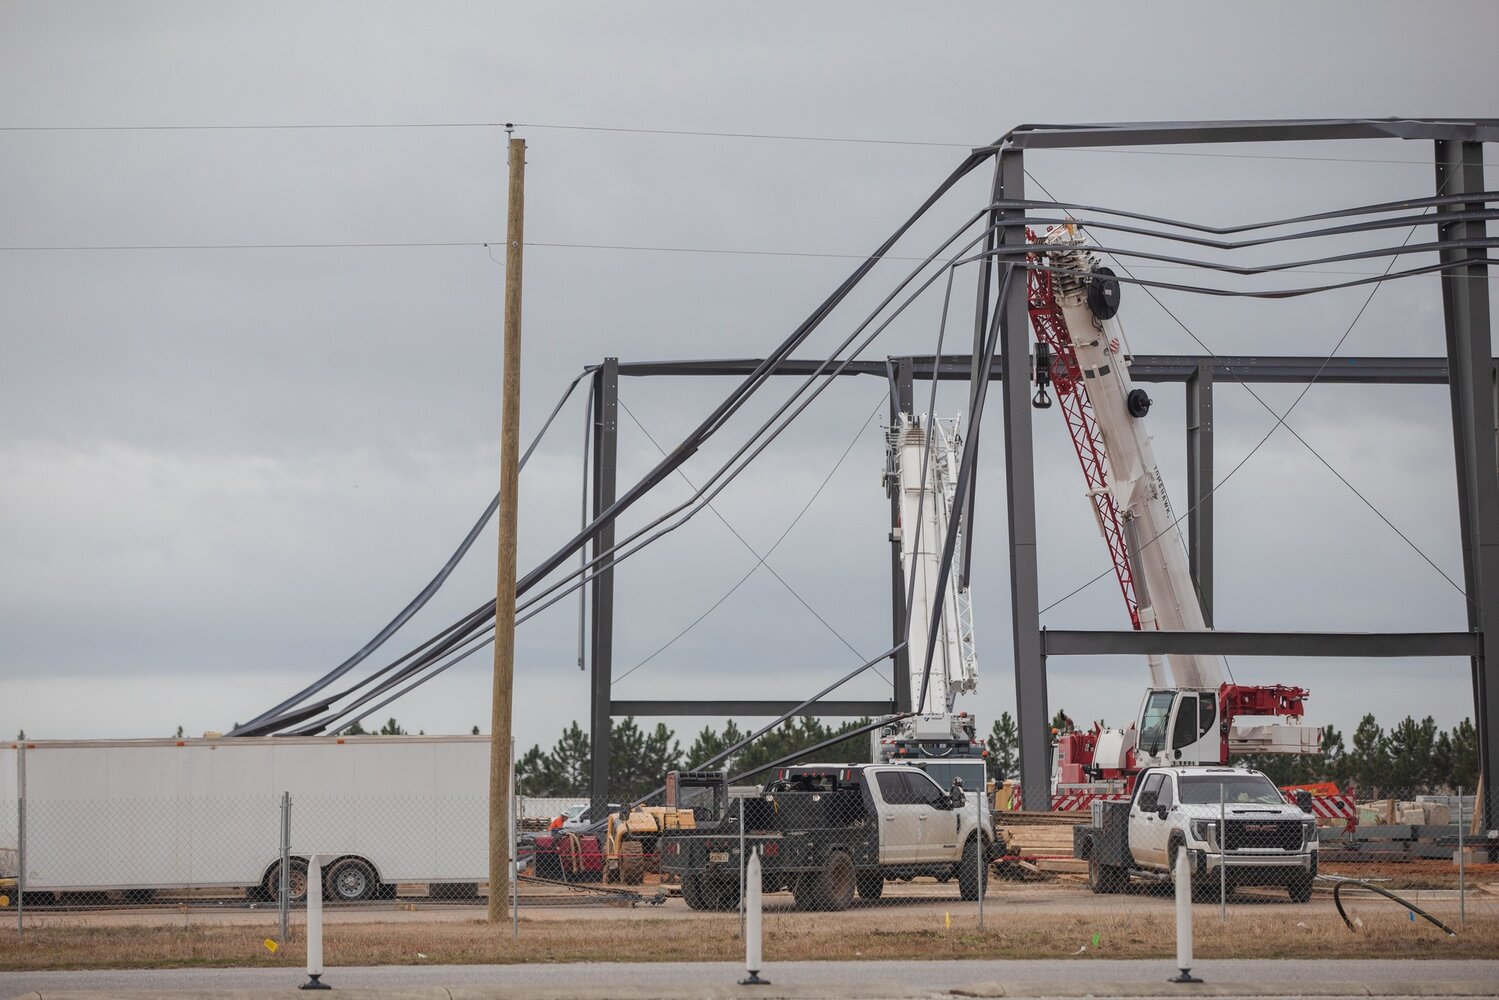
(1192, 712)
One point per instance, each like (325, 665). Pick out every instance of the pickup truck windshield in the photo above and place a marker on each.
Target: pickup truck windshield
(1201, 789)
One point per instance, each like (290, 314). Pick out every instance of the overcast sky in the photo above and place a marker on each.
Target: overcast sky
(228, 463)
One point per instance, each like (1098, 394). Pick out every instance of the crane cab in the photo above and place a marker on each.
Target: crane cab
(1180, 726)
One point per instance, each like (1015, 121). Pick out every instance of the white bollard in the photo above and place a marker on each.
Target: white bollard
(1183, 919)
(752, 923)
(314, 925)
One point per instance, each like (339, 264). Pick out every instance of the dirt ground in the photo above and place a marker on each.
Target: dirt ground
(913, 920)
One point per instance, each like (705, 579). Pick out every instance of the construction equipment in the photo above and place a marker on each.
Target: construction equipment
(922, 470)
(1191, 713)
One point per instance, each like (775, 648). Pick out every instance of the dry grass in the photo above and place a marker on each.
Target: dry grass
(709, 937)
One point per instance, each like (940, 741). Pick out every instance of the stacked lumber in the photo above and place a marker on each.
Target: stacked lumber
(1022, 817)
(1038, 841)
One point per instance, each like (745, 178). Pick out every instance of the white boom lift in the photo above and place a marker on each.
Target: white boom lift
(925, 480)
(1191, 714)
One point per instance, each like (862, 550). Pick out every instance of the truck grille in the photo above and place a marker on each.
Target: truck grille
(1261, 835)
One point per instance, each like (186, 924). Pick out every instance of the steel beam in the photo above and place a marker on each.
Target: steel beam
(1200, 485)
(753, 709)
(901, 401)
(1031, 719)
(1195, 133)
(1066, 642)
(1465, 307)
(1253, 369)
(605, 462)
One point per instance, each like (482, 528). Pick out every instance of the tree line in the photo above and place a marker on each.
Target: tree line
(1412, 758)
(639, 759)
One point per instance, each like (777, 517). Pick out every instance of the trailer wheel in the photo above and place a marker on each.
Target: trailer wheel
(973, 876)
(139, 897)
(296, 882)
(871, 884)
(351, 880)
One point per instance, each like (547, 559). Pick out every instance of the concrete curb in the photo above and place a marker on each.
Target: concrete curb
(849, 991)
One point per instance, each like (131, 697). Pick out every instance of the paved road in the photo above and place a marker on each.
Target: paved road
(1099, 977)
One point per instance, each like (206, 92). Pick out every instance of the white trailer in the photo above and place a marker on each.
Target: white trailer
(144, 815)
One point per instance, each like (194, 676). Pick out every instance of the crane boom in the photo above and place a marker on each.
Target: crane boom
(921, 472)
(1166, 597)
(1191, 712)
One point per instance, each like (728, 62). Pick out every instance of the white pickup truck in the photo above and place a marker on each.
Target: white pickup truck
(1263, 840)
(826, 831)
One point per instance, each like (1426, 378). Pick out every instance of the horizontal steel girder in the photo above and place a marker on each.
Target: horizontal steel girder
(1062, 642)
(752, 709)
(1144, 368)
(1302, 130)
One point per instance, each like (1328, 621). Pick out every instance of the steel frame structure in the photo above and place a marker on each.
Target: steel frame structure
(1468, 369)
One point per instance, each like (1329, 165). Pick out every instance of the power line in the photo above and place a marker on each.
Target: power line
(760, 559)
(1280, 421)
(697, 133)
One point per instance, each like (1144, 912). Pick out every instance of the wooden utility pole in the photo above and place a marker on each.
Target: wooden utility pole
(500, 764)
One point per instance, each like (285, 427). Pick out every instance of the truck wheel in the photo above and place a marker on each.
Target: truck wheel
(1301, 887)
(836, 882)
(351, 880)
(692, 890)
(722, 894)
(631, 862)
(296, 883)
(1104, 878)
(871, 884)
(973, 877)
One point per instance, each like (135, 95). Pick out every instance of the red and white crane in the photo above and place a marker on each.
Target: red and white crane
(1192, 713)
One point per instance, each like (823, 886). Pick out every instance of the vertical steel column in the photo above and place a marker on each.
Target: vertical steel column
(1032, 718)
(1465, 307)
(1200, 484)
(605, 446)
(981, 316)
(901, 401)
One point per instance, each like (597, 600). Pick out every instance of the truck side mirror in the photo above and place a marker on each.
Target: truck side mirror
(1161, 811)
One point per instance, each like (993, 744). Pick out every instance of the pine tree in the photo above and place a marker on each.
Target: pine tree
(1464, 771)
(392, 728)
(1004, 748)
(1411, 745)
(354, 728)
(1370, 759)
(710, 744)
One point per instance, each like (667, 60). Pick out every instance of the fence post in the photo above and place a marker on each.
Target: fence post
(743, 871)
(1222, 857)
(285, 874)
(1183, 918)
(21, 843)
(1462, 861)
(752, 939)
(981, 856)
(315, 925)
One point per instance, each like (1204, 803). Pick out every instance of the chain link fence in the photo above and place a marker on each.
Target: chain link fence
(890, 848)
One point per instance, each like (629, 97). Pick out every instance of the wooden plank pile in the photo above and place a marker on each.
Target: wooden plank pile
(1042, 847)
